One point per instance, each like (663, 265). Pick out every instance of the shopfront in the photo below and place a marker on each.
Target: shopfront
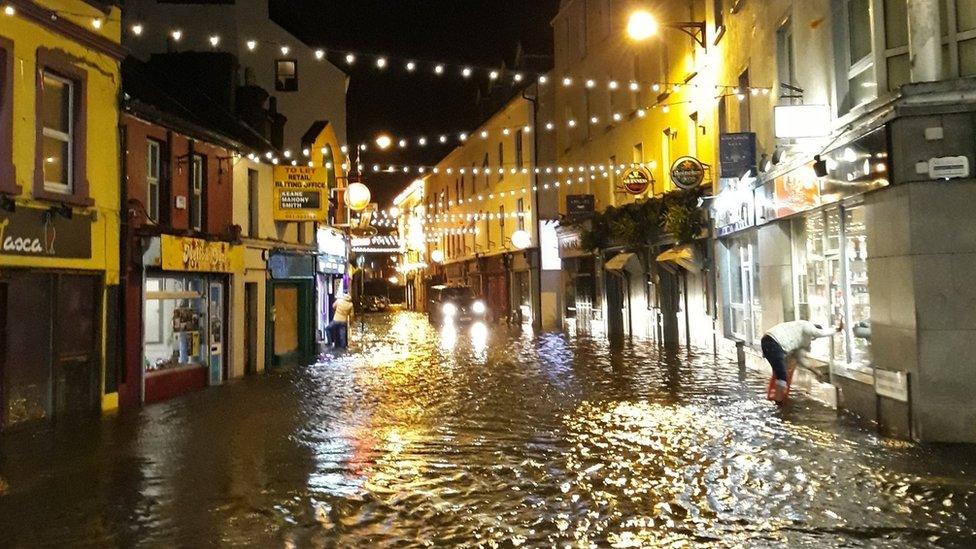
(291, 308)
(330, 270)
(185, 314)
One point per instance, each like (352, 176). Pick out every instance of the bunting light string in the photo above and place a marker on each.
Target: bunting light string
(616, 118)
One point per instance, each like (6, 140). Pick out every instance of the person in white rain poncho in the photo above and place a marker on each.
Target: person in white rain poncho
(790, 339)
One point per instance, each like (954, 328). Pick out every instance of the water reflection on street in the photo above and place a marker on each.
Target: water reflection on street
(484, 435)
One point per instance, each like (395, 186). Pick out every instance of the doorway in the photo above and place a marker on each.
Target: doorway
(76, 359)
(3, 348)
(284, 315)
(250, 328)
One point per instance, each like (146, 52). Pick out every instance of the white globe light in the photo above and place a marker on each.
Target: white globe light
(357, 197)
(521, 239)
(437, 256)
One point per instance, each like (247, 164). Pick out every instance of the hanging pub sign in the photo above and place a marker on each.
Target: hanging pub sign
(44, 233)
(300, 194)
(687, 172)
(635, 181)
(737, 154)
(580, 206)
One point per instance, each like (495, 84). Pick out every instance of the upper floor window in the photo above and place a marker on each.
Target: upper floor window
(153, 175)
(853, 36)
(286, 75)
(718, 7)
(7, 179)
(501, 160)
(58, 127)
(520, 208)
(519, 155)
(786, 60)
(197, 182)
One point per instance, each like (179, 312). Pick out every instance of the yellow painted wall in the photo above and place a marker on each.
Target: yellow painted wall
(102, 133)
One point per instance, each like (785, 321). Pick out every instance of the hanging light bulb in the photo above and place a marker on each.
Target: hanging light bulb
(591, 83)
(285, 50)
(380, 62)
(214, 41)
(567, 81)
(439, 69)
(612, 85)
(350, 59)
(466, 72)
(493, 75)
(543, 79)
(136, 29)
(251, 45)
(319, 54)
(96, 23)
(10, 11)
(411, 66)
(517, 77)
(177, 35)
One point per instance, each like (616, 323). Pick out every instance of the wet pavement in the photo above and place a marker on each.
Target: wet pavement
(485, 437)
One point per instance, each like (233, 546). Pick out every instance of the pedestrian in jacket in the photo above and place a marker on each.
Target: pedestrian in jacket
(338, 329)
(790, 339)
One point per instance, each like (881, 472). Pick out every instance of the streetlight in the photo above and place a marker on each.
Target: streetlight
(384, 141)
(641, 25)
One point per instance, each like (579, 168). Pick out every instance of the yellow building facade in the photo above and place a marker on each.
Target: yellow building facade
(60, 216)
(480, 211)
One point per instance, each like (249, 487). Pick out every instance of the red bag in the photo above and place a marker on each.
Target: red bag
(771, 386)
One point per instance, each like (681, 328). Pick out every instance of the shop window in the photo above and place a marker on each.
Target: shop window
(57, 132)
(786, 59)
(153, 164)
(745, 311)
(175, 334)
(197, 182)
(286, 75)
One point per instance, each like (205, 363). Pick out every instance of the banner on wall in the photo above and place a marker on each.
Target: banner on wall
(300, 194)
(179, 253)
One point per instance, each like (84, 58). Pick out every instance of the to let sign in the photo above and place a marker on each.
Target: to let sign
(42, 233)
(299, 194)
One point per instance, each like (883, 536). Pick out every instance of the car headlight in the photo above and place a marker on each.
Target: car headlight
(449, 309)
(478, 307)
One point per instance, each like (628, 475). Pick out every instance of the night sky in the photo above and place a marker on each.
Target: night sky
(476, 32)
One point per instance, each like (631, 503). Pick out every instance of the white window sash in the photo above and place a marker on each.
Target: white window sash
(57, 186)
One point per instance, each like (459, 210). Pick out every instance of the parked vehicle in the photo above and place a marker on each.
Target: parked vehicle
(373, 303)
(455, 304)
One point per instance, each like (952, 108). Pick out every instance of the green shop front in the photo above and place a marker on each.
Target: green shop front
(291, 307)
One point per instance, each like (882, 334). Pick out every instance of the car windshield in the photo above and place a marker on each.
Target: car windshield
(456, 293)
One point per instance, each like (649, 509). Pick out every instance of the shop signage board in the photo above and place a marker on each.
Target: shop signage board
(793, 192)
(41, 233)
(737, 154)
(580, 206)
(635, 181)
(290, 266)
(801, 121)
(891, 384)
(687, 172)
(179, 253)
(300, 193)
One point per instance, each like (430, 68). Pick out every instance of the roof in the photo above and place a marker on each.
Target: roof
(156, 94)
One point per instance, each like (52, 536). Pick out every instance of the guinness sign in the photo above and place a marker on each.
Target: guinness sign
(687, 172)
(636, 180)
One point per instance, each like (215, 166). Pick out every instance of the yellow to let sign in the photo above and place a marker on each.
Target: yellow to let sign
(178, 253)
(300, 194)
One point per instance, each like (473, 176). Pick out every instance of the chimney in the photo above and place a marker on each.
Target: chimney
(277, 124)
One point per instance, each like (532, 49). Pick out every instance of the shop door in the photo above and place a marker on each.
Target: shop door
(251, 328)
(215, 332)
(498, 296)
(670, 300)
(3, 348)
(285, 311)
(615, 304)
(76, 358)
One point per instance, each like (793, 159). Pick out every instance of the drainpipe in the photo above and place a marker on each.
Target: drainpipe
(925, 40)
(535, 267)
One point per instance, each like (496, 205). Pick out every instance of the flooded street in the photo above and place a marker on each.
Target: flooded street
(484, 436)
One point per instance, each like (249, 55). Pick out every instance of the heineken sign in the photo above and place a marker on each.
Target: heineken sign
(687, 172)
(44, 233)
(636, 180)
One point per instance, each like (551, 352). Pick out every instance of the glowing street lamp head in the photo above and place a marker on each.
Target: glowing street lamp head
(641, 26)
(384, 141)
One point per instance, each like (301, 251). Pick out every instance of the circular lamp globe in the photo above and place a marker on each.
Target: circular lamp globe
(357, 197)
(521, 239)
(437, 256)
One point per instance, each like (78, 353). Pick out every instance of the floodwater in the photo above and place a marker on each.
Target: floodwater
(484, 437)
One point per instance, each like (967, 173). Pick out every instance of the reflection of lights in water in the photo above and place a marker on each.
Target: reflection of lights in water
(448, 336)
(479, 336)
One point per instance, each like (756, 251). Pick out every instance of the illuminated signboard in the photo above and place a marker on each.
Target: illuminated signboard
(300, 194)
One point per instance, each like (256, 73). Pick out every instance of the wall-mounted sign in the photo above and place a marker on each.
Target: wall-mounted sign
(580, 206)
(891, 384)
(286, 266)
(178, 253)
(948, 167)
(300, 194)
(799, 121)
(687, 172)
(737, 154)
(635, 181)
(39, 233)
(796, 191)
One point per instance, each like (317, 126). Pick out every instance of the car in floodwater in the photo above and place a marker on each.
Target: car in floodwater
(455, 304)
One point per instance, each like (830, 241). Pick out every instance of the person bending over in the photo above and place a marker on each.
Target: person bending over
(790, 339)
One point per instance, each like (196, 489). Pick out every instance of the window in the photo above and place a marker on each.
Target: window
(745, 114)
(519, 159)
(487, 172)
(58, 121)
(501, 223)
(7, 180)
(785, 59)
(152, 179)
(745, 312)
(520, 208)
(638, 154)
(197, 180)
(461, 189)
(665, 157)
(501, 160)
(853, 38)
(718, 9)
(693, 134)
(286, 75)
(253, 203)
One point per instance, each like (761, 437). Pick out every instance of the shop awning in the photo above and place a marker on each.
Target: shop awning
(622, 262)
(684, 257)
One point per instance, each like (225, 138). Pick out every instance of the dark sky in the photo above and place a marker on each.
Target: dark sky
(476, 32)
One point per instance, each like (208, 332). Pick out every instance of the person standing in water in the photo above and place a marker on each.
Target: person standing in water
(790, 339)
(338, 329)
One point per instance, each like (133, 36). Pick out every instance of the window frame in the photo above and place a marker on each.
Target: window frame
(501, 160)
(153, 181)
(8, 172)
(60, 65)
(65, 137)
(195, 195)
(277, 62)
(519, 152)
